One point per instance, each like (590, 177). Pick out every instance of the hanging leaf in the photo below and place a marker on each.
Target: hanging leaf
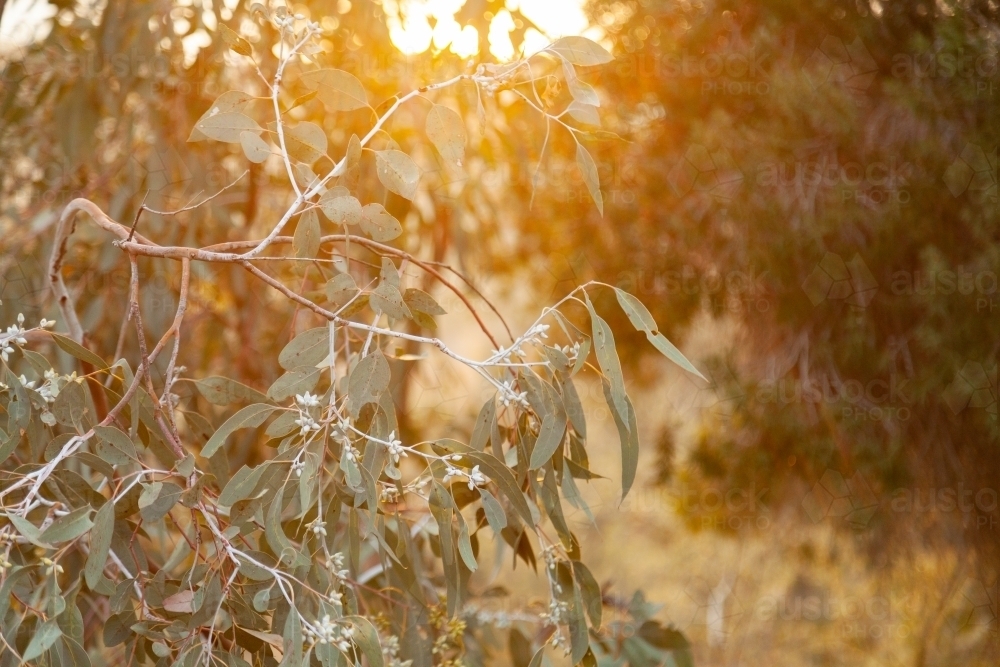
(670, 352)
(398, 172)
(387, 299)
(607, 359)
(637, 313)
(251, 416)
(100, 544)
(74, 349)
(68, 527)
(224, 391)
(229, 101)
(422, 301)
(494, 511)
(234, 41)
(550, 436)
(588, 168)
(306, 142)
(446, 130)
(584, 93)
(377, 223)
(338, 90)
(228, 127)
(343, 210)
(307, 349)
(580, 51)
(367, 382)
(255, 148)
(366, 637)
(341, 289)
(296, 381)
(44, 637)
(628, 435)
(353, 155)
(584, 113)
(306, 241)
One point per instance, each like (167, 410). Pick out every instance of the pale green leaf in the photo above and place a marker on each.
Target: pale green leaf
(338, 90)
(398, 172)
(588, 169)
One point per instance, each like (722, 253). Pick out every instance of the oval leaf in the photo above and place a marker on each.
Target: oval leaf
(228, 127)
(581, 51)
(446, 130)
(338, 90)
(377, 223)
(398, 172)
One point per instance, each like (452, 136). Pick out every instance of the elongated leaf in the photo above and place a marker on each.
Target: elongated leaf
(74, 349)
(235, 42)
(504, 479)
(255, 148)
(465, 544)
(590, 591)
(581, 51)
(228, 127)
(307, 235)
(446, 130)
(219, 390)
(368, 380)
(549, 438)
(293, 641)
(495, 515)
(672, 353)
(584, 113)
(366, 637)
(251, 416)
(43, 639)
(484, 425)
(607, 359)
(100, 544)
(296, 381)
(583, 93)
(379, 224)
(68, 527)
(628, 434)
(398, 172)
(588, 168)
(338, 90)
(637, 313)
(307, 349)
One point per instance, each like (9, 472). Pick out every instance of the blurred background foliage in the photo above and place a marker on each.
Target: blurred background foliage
(805, 194)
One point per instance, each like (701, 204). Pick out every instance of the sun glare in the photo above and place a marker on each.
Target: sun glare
(411, 32)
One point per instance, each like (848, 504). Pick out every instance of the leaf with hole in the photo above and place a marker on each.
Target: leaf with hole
(234, 41)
